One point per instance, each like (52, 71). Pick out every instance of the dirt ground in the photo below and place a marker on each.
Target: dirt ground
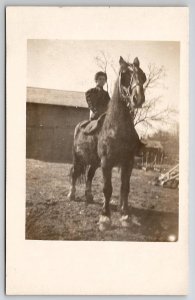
(51, 216)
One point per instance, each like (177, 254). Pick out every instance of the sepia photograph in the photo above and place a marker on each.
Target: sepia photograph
(97, 150)
(102, 140)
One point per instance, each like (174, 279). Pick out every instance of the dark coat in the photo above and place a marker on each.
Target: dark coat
(97, 100)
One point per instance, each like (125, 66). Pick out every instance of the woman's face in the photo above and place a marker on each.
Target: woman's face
(101, 81)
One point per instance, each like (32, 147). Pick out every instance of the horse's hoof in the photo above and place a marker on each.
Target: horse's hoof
(71, 196)
(89, 198)
(125, 221)
(104, 223)
(135, 220)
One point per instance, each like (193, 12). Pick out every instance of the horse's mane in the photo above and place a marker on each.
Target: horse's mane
(116, 105)
(115, 98)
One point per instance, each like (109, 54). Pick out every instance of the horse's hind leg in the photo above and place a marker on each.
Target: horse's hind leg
(76, 171)
(90, 175)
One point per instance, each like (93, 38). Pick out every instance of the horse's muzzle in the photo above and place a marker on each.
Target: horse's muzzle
(138, 101)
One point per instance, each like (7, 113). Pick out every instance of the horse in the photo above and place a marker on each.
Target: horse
(114, 144)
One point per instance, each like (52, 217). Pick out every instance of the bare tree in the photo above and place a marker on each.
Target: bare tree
(149, 115)
(155, 75)
(104, 61)
(152, 113)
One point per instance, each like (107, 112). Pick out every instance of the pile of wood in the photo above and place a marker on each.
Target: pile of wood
(169, 179)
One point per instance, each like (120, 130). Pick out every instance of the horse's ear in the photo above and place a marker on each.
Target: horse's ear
(121, 60)
(136, 62)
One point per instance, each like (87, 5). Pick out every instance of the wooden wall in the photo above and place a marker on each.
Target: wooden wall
(50, 129)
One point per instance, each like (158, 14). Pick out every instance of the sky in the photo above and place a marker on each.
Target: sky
(71, 65)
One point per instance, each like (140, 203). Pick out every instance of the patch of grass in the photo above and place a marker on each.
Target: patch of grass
(51, 216)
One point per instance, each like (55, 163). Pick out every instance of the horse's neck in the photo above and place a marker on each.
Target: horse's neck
(118, 114)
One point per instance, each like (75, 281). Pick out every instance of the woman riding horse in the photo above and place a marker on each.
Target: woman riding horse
(115, 144)
(97, 98)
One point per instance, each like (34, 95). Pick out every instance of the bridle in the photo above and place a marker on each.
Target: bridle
(126, 93)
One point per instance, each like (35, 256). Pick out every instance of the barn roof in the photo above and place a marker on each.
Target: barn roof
(56, 97)
(153, 144)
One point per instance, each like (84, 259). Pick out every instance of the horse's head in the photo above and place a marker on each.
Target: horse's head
(131, 81)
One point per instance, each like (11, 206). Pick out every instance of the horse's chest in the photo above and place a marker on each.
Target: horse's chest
(114, 146)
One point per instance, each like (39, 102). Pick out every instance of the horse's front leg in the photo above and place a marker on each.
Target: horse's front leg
(88, 191)
(126, 170)
(107, 190)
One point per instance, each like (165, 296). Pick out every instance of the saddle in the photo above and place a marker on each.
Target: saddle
(91, 127)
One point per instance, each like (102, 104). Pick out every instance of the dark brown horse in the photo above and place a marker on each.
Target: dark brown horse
(113, 145)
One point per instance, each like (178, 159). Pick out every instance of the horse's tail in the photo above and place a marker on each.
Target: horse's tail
(81, 179)
(82, 174)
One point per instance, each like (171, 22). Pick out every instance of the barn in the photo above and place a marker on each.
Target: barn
(51, 116)
(153, 151)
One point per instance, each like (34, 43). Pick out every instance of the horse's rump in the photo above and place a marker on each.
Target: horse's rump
(85, 146)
